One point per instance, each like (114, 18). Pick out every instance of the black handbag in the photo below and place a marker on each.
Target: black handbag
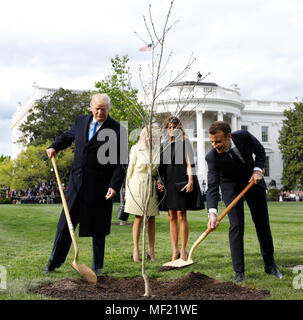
(121, 215)
(181, 185)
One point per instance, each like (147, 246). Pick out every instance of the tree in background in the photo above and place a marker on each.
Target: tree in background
(123, 96)
(32, 167)
(3, 157)
(6, 166)
(291, 146)
(53, 115)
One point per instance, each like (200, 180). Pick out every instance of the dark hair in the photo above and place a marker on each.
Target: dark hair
(178, 124)
(219, 126)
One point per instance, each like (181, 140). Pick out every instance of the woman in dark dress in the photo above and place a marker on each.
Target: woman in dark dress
(183, 193)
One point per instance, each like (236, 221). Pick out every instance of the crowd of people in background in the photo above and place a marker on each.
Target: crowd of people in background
(47, 192)
(291, 196)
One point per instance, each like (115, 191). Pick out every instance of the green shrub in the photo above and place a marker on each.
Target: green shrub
(6, 201)
(273, 194)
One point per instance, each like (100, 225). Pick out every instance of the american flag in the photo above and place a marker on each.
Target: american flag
(147, 47)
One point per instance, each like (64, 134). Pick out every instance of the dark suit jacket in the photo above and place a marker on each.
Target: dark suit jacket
(222, 173)
(90, 179)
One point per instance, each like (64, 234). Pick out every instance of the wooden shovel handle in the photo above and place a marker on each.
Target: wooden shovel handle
(66, 211)
(234, 202)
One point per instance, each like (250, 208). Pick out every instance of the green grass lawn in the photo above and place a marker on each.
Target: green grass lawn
(27, 233)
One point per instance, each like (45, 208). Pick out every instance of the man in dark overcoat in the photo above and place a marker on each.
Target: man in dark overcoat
(236, 159)
(96, 176)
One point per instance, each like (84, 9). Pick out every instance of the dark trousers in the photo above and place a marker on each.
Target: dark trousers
(63, 240)
(257, 203)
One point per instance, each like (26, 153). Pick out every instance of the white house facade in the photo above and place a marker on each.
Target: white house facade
(198, 104)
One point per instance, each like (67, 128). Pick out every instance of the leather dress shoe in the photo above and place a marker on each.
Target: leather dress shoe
(97, 272)
(51, 266)
(239, 277)
(274, 271)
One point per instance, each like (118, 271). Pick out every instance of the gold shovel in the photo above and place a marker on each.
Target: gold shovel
(180, 263)
(87, 273)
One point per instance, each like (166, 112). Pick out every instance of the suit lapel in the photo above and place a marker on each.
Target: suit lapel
(240, 146)
(87, 122)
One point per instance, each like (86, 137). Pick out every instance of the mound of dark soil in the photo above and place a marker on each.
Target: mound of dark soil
(193, 286)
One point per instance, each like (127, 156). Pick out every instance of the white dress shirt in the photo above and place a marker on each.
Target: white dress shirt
(93, 123)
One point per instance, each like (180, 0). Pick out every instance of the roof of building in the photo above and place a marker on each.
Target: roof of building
(193, 83)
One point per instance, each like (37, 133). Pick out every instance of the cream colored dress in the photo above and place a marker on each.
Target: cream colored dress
(137, 182)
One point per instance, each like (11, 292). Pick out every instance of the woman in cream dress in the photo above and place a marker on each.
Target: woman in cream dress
(137, 189)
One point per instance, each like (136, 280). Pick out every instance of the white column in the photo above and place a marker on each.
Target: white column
(234, 124)
(200, 147)
(220, 116)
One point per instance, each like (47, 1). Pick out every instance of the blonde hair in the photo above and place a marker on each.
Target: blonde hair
(144, 135)
(100, 98)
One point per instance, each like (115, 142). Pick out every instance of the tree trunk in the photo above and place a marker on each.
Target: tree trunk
(145, 222)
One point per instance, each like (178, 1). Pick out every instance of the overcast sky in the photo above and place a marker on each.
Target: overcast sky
(256, 44)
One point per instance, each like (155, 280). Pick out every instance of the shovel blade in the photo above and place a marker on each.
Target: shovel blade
(87, 273)
(179, 263)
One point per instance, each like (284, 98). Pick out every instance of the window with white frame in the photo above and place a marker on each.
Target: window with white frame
(264, 133)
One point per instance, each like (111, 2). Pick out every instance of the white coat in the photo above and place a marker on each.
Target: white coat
(137, 182)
